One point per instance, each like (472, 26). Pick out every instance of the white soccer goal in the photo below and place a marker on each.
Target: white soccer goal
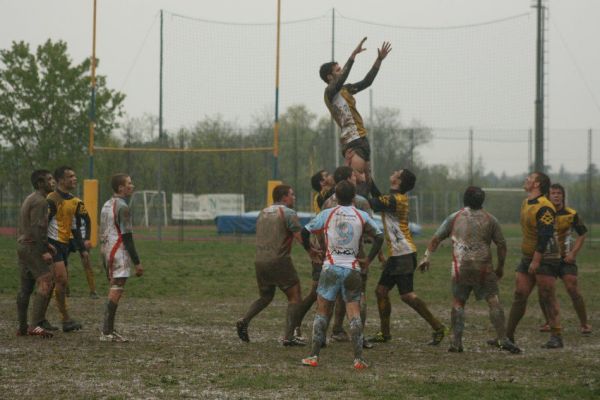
(151, 203)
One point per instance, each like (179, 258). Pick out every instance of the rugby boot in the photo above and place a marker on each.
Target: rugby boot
(39, 331)
(341, 336)
(555, 342)
(312, 361)
(545, 328)
(47, 325)
(359, 364)
(455, 349)
(113, 337)
(379, 337)
(298, 334)
(438, 336)
(367, 345)
(509, 346)
(94, 295)
(71, 325)
(242, 330)
(293, 342)
(586, 329)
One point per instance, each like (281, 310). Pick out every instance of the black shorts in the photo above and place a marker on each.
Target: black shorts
(62, 251)
(567, 269)
(360, 146)
(550, 268)
(399, 270)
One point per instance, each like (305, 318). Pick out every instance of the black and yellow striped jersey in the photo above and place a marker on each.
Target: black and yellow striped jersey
(568, 220)
(394, 208)
(63, 207)
(538, 225)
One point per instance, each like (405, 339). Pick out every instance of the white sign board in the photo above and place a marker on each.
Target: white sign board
(188, 206)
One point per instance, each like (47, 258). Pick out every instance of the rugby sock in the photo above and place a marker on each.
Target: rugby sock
(517, 310)
(555, 330)
(579, 306)
(356, 333)
(363, 309)
(421, 308)
(544, 311)
(60, 299)
(319, 331)
(39, 306)
(109, 317)
(338, 317)
(291, 321)
(23, 302)
(257, 306)
(497, 319)
(306, 305)
(91, 281)
(385, 310)
(457, 317)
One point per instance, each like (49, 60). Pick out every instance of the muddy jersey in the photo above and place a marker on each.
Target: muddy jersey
(538, 219)
(33, 222)
(275, 228)
(115, 221)
(343, 228)
(471, 232)
(394, 209)
(567, 221)
(339, 99)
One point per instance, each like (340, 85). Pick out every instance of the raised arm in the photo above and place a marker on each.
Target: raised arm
(382, 53)
(336, 84)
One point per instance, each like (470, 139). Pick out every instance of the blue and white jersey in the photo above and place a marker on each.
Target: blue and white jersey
(343, 228)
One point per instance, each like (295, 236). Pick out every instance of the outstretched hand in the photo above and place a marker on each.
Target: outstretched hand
(385, 49)
(424, 265)
(359, 48)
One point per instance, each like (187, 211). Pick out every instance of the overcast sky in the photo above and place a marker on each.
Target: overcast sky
(127, 46)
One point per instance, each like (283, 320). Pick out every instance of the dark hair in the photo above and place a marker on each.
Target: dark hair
(342, 173)
(544, 182)
(560, 187)
(118, 180)
(59, 172)
(280, 191)
(474, 197)
(326, 69)
(407, 181)
(345, 192)
(39, 177)
(315, 180)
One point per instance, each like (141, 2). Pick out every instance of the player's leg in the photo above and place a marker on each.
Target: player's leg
(351, 291)
(524, 284)
(310, 298)
(293, 319)
(60, 296)
(460, 296)
(117, 286)
(498, 322)
(339, 313)
(89, 273)
(572, 286)
(547, 288)
(25, 290)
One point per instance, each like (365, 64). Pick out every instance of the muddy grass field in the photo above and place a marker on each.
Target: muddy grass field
(181, 317)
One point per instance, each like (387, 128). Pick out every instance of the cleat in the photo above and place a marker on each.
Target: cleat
(293, 342)
(71, 325)
(493, 342)
(94, 295)
(22, 331)
(455, 349)
(555, 342)
(545, 328)
(438, 336)
(341, 336)
(359, 364)
(509, 346)
(39, 331)
(379, 337)
(242, 330)
(367, 345)
(298, 334)
(586, 329)
(47, 326)
(312, 361)
(113, 337)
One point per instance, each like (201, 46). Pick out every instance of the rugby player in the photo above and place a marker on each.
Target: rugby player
(567, 221)
(276, 228)
(64, 207)
(540, 263)
(339, 99)
(402, 256)
(35, 256)
(472, 230)
(82, 223)
(118, 250)
(343, 227)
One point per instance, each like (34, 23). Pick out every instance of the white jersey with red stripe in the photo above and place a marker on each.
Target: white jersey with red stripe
(114, 222)
(343, 228)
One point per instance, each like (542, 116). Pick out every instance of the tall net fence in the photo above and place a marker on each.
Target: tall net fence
(455, 104)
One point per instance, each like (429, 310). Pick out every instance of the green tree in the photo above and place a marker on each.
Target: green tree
(44, 107)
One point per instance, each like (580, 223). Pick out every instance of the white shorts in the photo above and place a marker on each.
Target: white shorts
(119, 265)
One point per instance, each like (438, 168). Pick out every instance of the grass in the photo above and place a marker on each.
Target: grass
(181, 317)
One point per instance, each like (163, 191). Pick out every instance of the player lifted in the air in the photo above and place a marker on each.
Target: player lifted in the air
(339, 98)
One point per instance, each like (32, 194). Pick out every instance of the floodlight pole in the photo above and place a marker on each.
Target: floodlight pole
(92, 113)
(276, 123)
(539, 100)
